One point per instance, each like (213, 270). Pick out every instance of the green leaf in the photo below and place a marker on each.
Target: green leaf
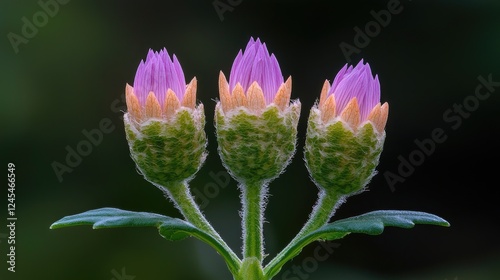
(170, 228)
(373, 223)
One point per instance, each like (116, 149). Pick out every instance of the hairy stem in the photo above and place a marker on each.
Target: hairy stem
(320, 215)
(184, 201)
(253, 207)
(251, 269)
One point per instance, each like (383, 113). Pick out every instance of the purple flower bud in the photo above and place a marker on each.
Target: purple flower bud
(255, 80)
(356, 82)
(159, 88)
(354, 96)
(158, 74)
(256, 65)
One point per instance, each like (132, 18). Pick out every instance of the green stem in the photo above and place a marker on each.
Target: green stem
(184, 201)
(253, 205)
(251, 269)
(320, 215)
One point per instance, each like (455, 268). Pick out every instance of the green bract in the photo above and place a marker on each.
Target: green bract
(168, 151)
(340, 159)
(257, 147)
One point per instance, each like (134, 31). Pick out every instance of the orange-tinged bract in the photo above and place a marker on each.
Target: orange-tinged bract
(254, 98)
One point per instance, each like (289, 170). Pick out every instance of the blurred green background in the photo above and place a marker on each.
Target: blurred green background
(71, 74)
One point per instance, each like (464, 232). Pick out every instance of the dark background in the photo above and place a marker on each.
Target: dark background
(72, 74)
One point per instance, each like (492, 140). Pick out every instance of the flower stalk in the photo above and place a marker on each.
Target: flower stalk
(256, 131)
(253, 207)
(185, 203)
(165, 131)
(322, 212)
(345, 135)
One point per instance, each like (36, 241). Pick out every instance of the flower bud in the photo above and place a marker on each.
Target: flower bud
(163, 125)
(345, 133)
(256, 123)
